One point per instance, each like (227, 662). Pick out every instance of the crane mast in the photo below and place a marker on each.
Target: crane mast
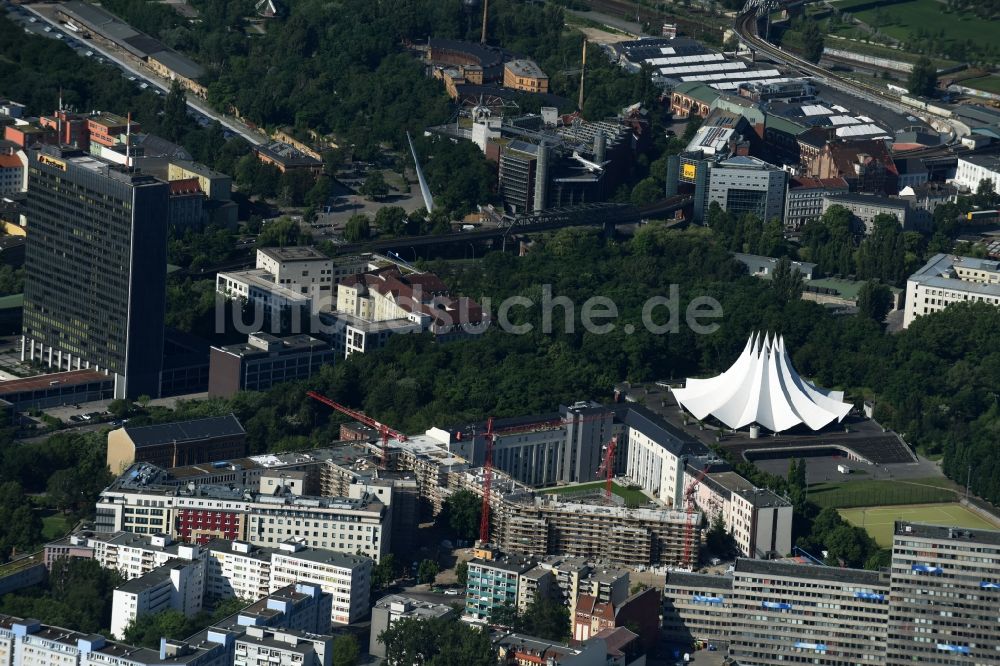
(384, 431)
(690, 508)
(607, 467)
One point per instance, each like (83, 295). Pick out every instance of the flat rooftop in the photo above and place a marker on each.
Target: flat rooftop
(52, 381)
(296, 253)
(944, 533)
(261, 279)
(940, 272)
(185, 431)
(810, 571)
(699, 581)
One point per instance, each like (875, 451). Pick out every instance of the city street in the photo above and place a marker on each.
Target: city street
(46, 15)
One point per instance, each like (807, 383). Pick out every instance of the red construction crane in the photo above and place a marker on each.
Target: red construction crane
(690, 507)
(608, 466)
(484, 514)
(490, 435)
(385, 431)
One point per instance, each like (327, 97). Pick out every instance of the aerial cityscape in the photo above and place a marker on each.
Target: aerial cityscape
(517, 332)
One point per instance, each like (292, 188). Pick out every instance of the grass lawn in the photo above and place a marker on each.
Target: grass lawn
(878, 521)
(906, 17)
(55, 526)
(872, 492)
(987, 83)
(631, 497)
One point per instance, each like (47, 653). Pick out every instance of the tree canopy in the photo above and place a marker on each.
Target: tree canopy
(437, 642)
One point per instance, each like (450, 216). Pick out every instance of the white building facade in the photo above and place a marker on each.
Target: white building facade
(947, 279)
(347, 578)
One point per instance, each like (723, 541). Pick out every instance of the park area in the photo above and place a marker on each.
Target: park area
(903, 20)
(878, 520)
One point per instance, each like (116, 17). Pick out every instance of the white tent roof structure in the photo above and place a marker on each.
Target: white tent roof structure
(762, 387)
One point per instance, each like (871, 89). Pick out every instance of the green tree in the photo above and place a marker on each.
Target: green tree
(462, 573)
(283, 232)
(719, 541)
(874, 300)
(374, 186)
(923, 78)
(175, 119)
(812, 41)
(460, 514)
(391, 221)
(427, 571)
(345, 650)
(384, 572)
(545, 618)
(147, 630)
(986, 194)
(787, 280)
(120, 408)
(647, 191)
(437, 642)
(358, 228)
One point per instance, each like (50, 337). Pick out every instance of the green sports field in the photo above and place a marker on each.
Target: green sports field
(878, 520)
(900, 19)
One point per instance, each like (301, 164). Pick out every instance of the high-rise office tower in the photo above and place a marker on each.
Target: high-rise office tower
(95, 269)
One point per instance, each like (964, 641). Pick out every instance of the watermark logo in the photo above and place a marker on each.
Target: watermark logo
(357, 312)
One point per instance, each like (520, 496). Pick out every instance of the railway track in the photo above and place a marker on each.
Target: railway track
(746, 28)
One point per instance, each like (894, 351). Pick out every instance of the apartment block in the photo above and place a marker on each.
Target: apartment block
(696, 607)
(177, 585)
(266, 646)
(342, 524)
(237, 569)
(657, 452)
(395, 607)
(525, 522)
(493, 582)
(800, 613)
(346, 578)
(945, 595)
(947, 279)
(759, 520)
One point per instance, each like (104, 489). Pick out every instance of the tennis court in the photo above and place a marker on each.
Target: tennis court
(878, 520)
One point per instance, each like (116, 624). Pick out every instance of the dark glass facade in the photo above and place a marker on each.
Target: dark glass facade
(95, 265)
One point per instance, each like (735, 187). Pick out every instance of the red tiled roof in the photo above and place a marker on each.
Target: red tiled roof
(807, 182)
(422, 293)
